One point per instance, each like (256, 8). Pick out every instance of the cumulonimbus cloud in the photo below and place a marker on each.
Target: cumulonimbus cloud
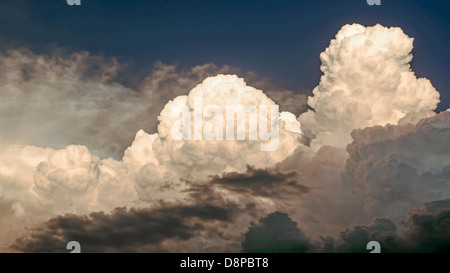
(368, 99)
(367, 81)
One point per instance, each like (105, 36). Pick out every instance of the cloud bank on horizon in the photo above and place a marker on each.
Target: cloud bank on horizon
(358, 165)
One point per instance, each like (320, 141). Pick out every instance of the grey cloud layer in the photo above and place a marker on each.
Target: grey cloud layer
(80, 99)
(399, 167)
(77, 99)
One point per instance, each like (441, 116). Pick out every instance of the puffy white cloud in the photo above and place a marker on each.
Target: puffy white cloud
(73, 176)
(73, 168)
(367, 81)
(38, 183)
(158, 161)
(17, 166)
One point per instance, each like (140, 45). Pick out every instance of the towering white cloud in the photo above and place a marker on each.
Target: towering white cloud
(157, 162)
(367, 81)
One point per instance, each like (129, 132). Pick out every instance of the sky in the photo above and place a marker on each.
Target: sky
(278, 40)
(95, 100)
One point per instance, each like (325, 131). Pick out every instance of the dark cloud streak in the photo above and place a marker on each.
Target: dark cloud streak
(126, 230)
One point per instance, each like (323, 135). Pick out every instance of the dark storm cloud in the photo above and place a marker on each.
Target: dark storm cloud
(276, 233)
(270, 182)
(147, 230)
(127, 230)
(426, 231)
(355, 239)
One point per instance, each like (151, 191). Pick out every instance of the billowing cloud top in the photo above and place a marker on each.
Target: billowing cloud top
(367, 81)
(157, 159)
